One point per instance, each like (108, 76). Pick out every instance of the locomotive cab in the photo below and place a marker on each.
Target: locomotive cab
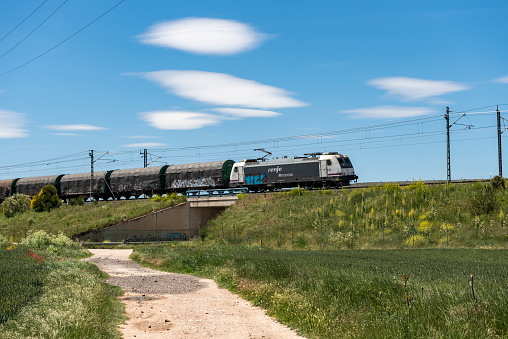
(335, 167)
(237, 176)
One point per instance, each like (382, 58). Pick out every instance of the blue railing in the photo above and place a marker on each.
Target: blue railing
(223, 192)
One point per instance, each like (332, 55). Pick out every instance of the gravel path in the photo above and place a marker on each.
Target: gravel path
(170, 305)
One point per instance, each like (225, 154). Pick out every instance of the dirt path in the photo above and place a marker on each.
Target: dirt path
(170, 305)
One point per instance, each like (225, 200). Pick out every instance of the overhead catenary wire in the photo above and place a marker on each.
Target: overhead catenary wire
(22, 21)
(63, 41)
(36, 28)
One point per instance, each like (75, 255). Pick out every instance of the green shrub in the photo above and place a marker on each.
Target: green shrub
(79, 201)
(16, 204)
(498, 182)
(46, 200)
(483, 201)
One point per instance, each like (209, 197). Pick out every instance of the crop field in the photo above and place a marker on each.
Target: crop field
(46, 292)
(437, 293)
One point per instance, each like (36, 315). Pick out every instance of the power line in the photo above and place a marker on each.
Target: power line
(29, 15)
(64, 41)
(36, 28)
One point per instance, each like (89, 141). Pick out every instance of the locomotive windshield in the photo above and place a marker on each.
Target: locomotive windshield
(345, 162)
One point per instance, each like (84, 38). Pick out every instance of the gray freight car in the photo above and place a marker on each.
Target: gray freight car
(78, 185)
(32, 186)
(214, 174)
(6, 187)
(138, 181)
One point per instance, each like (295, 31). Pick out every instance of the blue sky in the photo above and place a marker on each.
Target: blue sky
(201, 81)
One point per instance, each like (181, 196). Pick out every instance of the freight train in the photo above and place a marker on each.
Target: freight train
(310, 171)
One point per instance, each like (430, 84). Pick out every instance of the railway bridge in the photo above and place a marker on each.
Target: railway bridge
(179, 222)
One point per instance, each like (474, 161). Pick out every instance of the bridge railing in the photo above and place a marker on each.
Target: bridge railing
(223, 192)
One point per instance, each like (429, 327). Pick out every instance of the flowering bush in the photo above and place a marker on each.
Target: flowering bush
(41, 239)
(46, 199)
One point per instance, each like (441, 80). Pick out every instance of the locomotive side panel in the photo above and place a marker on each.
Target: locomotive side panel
(282, 173)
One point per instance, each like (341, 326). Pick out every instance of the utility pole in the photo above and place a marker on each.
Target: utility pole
(145, 157)
(448, 126)
(448, 167)
(499, 154)
(91, 173)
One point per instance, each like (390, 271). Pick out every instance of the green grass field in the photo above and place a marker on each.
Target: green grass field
(358, 293)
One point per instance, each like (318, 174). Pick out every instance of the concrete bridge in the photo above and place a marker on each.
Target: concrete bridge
(179, 222)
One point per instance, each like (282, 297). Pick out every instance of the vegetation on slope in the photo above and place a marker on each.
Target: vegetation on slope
(74, 220)
(390, 216)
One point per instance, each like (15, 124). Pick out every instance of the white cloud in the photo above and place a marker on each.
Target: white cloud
(142, 137)
(145, 144)
(76, 127)
(223, 89)
(203, 36)
(68, 134)
(179, 120)
(11, 125)
(247, 113)
(383, 112)
(502, 80)
(410, 89)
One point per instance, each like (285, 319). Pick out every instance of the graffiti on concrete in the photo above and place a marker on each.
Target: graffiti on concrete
(176, 235)
(258, 179)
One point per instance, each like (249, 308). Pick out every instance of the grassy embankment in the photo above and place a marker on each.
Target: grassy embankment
(357, 293)
(472, 215)
(47, 292)
(74, 220)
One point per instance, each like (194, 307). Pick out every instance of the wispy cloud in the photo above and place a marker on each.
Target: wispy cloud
(179, 120)
(247, 113)
(203, 36)
(68, 134)
(411, 89)
(384, 112)
(142, 137)
(76, 127)
(223, 89)
(12, 125)
(145, 144)
(502, 80)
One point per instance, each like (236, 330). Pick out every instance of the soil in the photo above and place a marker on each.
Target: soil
(169, 305)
